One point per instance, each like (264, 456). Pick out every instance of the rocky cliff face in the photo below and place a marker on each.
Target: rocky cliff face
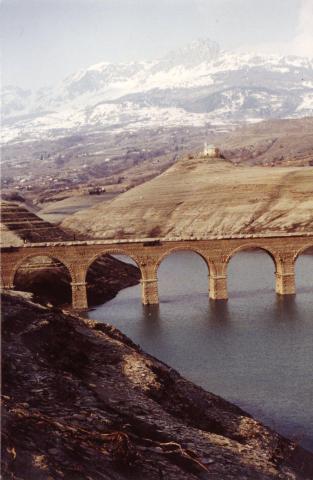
(81, 401)
(203, 197)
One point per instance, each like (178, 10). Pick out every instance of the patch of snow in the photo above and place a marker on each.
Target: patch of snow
(306, 104)
(232, 87)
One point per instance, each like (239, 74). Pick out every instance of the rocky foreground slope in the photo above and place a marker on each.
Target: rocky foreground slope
(81, 401)
(202, 197)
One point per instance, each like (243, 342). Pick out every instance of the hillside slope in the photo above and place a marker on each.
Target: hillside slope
(201, 197)
(19, 225)
(273, 142)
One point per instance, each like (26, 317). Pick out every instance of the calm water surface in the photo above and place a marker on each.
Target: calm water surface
(256, 349)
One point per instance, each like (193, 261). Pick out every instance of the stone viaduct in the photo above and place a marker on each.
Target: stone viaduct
(77, 256)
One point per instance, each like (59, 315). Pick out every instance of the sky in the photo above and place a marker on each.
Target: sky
(43, 41)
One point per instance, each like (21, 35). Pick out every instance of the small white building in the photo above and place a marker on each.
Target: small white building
(211, 151)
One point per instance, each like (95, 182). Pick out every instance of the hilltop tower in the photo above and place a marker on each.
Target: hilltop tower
(211, 151)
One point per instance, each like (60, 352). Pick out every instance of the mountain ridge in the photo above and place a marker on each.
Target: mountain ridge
(197, 84)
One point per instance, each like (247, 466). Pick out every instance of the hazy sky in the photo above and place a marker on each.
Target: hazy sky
(45, 40)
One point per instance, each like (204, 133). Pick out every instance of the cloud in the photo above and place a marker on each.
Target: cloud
(303, 42)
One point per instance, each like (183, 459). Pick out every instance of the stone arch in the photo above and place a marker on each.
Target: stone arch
(52, 285)
(182, 285)
(303, 250)
(57, 257)
(98, 291)
(113, 251)
(183, 249)
(252, 246)
(304, 280)
(259, 247)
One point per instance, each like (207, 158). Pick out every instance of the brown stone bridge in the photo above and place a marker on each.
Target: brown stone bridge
(77, 256)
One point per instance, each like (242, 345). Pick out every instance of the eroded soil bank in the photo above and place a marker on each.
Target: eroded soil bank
(81, 401)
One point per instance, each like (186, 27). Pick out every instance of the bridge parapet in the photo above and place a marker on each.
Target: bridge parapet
(154, 240)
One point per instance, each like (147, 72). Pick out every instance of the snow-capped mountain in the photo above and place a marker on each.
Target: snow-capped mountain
(195, 85)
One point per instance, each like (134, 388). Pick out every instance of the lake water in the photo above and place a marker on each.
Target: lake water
(255, 350)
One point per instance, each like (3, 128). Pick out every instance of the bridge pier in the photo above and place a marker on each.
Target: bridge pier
(149, 291)
(285, 281)
(7, 286)
(7, 279)
(218, 287)
(79, 295)
(218, 278)
(285, 274)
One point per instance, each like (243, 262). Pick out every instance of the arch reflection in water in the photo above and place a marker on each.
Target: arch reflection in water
(255, 349)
